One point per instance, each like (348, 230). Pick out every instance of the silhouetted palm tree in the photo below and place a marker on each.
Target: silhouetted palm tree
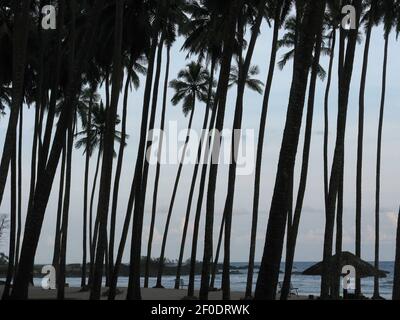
(173, 21)
(389, 10)
(191, 85)
(346, 61)
(269, 270)
(370, 20)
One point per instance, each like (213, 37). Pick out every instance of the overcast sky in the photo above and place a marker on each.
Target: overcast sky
(310, 241)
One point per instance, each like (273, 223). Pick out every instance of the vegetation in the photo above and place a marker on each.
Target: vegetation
(80, 75)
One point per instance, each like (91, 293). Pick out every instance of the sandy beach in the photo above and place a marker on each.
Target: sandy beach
(36, 293)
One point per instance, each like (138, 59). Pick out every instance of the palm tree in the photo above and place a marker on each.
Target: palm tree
(20, 40)
(370, 20)
(226, 58)
(191, 85)
(65, 210)
(134, 69)
(252, 83)
(256, 85)
(332, 22)
(204, 38)
(269, 270)
(37, 210)
(149, 28)
(389, 10)
(13, 220)
(289, 41)
(346, 61)
(57, 237)
(294, 224)
(108, 151)
(280, 10)
(173, 18)
(92, 137)
(90, 97)
(19, 187)
(157, 177)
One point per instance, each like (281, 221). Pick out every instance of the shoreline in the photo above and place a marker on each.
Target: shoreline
(36, 293)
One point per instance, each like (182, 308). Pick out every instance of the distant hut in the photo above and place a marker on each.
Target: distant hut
(363, 268)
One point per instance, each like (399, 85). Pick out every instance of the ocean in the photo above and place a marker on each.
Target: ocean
(306, 285)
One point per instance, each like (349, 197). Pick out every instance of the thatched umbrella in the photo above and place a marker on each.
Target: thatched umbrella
(363, 268)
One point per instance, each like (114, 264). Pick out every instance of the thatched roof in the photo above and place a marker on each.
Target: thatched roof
(363, 268)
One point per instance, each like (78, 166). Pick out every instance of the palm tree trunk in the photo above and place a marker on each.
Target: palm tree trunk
(194, 177)
(108, 152)
(33, 156)
(19, 186)
(339, 239)
(20, 39)
(196, 225)
(93, 234)
(13, 216)
(57, 241)
(260, 146)
(54, 89)
(118, 172)
(293, 232)
(326, 114)
(171, 205)
(396, 276)
(36, 213)
(140, 193)
(134, 278)
(216, 258)
(360, 144)
(222, 91)
(378, 166)
(85, 192)
(158, 167)
(269, 271)
(138, 169)
(345, 75)
(237, 126)
(65, 215)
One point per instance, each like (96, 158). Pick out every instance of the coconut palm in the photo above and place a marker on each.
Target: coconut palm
(269, 270)
(389, 10)
(226, 58)
(346, 62)
(20, 40)
(293, 225)
(369, 18)
(172, 22)
(203, 36)
(252, 83)
(190, 86)
(149, 25)
(134, 70)
(279, 11)
(41, 195)
(256, 85)
(289, 41)
(92, 138)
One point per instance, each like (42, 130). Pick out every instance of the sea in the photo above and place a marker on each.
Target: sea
(306, 285)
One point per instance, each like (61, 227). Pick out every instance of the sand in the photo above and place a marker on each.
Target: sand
(147, 294)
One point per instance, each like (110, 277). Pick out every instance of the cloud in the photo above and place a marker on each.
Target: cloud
(392, 218)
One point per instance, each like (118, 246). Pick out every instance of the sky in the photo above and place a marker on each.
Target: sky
(310, 240)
